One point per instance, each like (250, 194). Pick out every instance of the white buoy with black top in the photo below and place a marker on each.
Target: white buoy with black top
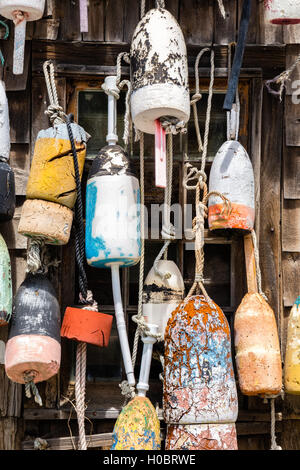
(21, 11)
(33, 350)
(113, 229)
(7, 177)
(159, 71)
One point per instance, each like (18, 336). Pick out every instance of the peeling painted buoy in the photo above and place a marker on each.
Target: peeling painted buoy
(201, 437)
(52, 170)
(159, 71)
(47, 220)
(283, 11)
(199, 384)
(257, 347)
(5, 284)
(34, 337)
(292, 359)
(87, 326)
(21, 11)
(7, 177)
(232, 175)
(161, 296)
(112, 210)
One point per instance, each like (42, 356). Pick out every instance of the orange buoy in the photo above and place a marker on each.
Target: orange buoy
(292, 359)
(87, 326)
(257, 347)
(33, 347)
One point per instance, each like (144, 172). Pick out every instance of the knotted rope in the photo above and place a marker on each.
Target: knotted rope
(281, 80)
(222, 9)
(257, 265)
(31, 387)
(160, 4)
(38, 259)
(54, 111)
(274, 445)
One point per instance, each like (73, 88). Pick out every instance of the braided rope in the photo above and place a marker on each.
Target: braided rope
(143, 8)
(274, 445)
(281, 80)
(54, 111)
(31, 387)
(257, 265)
(160, 4)
(80, 393)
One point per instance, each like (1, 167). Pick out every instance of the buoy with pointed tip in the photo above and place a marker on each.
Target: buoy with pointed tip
(5, 284)
(199, 386)
(7, 177)
(137, 427)
(283, 12)
(161, 296)
(159, 71)
(292, 360)
(21, 11)
(232, 175)
(34, 338)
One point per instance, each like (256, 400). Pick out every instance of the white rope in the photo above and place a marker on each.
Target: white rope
(160, 4)
(257, 265)
(222, 9)
(54, 111)
(143, 8)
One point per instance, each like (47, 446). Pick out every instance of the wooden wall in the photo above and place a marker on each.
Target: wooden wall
(273, 139)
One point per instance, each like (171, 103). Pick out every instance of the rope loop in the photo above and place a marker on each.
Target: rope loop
(193, 173)
(54, 111)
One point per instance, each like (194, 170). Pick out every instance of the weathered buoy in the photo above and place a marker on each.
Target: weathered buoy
(87, 326)
(52, 169)
(137, 427)
(21, 11)
(257, 347)
(282, 11)
(292, 360)
(199, 384)
(161, 296)
(34, 338)
(232, 175)
(5, 284)
(7, 177)
(159, 71)
(201, 437)
(46, 220)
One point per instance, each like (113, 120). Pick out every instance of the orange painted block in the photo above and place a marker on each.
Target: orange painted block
(87, 326)
(241, 217)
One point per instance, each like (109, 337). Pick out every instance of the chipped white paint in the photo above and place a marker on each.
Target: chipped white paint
(4, 124)
(283, 11)
(33, 8)
(159, 71)
(162, 296)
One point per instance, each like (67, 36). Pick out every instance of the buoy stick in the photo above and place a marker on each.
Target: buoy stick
(250, 264)
(111, 85)
(143, 385)
(121, 325)
(84, 23)
(19, 47)
(160, 156)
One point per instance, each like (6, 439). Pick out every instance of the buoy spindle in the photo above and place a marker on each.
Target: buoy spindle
(143, 384)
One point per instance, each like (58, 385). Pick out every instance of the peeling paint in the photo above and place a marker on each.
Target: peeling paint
(201, 437)
(282, 11)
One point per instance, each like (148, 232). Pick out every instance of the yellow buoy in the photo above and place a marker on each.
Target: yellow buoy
(292, 354)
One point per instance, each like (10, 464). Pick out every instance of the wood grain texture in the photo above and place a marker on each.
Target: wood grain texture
(291, 172)
(291, 276)
(19, 116)
(131, 19)
(68, 12)
(268, 33)
(293, 84)
(114, 20)
(11, 433)
(225, 29)
(292, 122)
(15, 82)
(291, 225)
(197, 20)
(96, 18)
(9, 229)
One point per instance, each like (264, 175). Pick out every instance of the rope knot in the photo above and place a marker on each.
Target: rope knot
(127, 390)
(195, 98)
(173, 125)
(168, 231)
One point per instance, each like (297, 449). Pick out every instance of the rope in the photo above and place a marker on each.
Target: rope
(54, 111)
(257, 264)
(143, 8)
(160, 4)
(173, 125)
(38, 259)
(30, 387)
(222, 9)
(274, 445)
(281, 80)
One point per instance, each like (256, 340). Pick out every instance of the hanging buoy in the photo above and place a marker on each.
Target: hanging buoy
(159, 71)
(137, 427)
(199, 384)
(52, 169)
(5, 284)
(292, 360)
(46, 220)
(33, 347)
(257, 347)
(201, 437)
(282, 11)
(7, 177)
(21, 11)
(232, 175)
(87, 326)
(161, 296)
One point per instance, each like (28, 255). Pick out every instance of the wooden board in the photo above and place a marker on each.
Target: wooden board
(19, 116)
(293, 84)
(291, 225)
(9, 230)
(114, 20)
(225, 29)
(20, 163)
(131, 19)
(292, 122)
(96, 21)
(68, 13)
(68, 443)
(197, 21)
(291, 276)
(291, 172)
(15, 82)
